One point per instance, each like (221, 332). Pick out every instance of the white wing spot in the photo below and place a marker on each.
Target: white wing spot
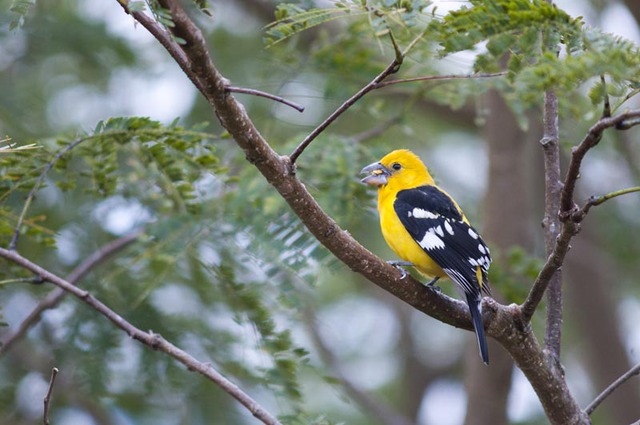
(473, 234)
(420, 213)
(473, 262)
(409, 214)
(439, 231)
(431, 240)
(481, 248)
(448, 227)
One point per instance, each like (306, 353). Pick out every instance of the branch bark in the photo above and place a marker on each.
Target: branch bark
(152, 340)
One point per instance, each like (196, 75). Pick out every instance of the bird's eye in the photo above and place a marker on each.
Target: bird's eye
(396, 166)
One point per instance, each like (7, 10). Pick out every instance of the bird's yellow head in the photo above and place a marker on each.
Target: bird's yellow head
(400, 169)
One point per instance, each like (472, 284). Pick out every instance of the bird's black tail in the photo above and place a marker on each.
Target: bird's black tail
(476, 316)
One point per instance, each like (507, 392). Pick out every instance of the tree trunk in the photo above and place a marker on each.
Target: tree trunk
(506, 216)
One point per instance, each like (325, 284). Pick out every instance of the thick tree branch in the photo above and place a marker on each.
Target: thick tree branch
(154, 341)
(611, 388)
(54, 298)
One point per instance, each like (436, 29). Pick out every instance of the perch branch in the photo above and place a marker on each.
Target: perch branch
(152, 340)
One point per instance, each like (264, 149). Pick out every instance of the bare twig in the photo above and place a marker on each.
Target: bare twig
(390, 69)
(259, 93)
(570, 214)
(592, 138)
(47, 397)
(34, 189)
(439, 77)
(154, 341)
(551, 221)
(611, 388)
(375, 131)
(55, 296)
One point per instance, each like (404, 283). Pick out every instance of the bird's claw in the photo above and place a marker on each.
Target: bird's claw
(399, 265)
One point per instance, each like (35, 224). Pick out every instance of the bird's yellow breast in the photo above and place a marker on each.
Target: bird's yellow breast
(399, 239)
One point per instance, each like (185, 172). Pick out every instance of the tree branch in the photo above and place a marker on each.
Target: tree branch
(55, 296)
(570, 214)
(611, 388)
(592, 138)
(551, 221)
(152, 340)
(259, 93)
(47, 397)
(390, 69)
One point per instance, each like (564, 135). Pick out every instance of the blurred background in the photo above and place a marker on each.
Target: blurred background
(229, 274)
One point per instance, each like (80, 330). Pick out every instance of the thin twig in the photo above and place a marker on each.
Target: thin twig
(597, 200)
(375, 131)
(55, 296)
(150, 339)
(551, 222)
(259, 93)
(34, 189)
(47, 397)
(390, 69)
(440, 77)
(611, 388)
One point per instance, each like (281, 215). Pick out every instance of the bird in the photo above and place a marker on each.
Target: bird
(427, 229)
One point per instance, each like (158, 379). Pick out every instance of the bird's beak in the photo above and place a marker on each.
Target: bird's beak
(377, 174)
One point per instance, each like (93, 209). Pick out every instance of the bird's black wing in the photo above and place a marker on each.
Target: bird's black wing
(435, 223)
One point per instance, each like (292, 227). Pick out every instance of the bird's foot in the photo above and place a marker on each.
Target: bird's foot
(432, 284)
(399, 265)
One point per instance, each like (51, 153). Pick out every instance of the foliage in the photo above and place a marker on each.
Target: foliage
(224, 268)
